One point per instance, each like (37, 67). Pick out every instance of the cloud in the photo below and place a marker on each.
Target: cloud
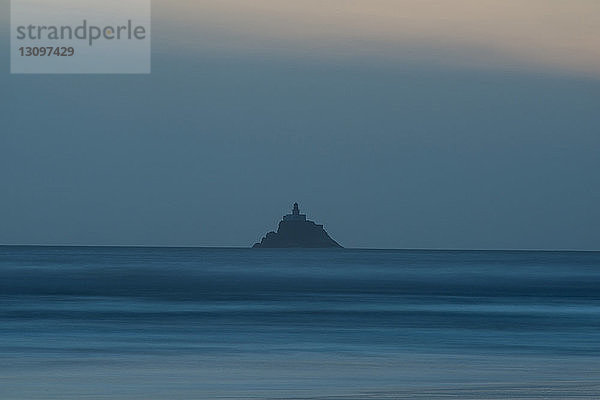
(541, 34)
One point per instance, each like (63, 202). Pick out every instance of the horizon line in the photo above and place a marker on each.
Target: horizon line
(300, 248)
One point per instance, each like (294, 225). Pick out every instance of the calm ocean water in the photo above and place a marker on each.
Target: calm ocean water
(160, 323)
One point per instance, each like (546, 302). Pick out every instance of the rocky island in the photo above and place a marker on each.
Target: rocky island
(296, 231)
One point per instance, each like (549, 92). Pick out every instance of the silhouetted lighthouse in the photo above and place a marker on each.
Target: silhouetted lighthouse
(295, 215)
(296, 231)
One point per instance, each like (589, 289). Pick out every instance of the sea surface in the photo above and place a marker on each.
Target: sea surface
(193, 323)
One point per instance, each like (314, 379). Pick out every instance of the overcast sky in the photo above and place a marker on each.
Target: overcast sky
(396, 124)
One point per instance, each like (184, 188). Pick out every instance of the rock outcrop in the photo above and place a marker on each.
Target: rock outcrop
(296, 231)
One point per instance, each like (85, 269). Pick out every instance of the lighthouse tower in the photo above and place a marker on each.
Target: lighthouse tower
(295, 215)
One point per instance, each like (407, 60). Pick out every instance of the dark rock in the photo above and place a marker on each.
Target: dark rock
(296, 231)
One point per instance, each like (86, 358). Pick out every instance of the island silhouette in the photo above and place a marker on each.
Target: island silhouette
(295, 231)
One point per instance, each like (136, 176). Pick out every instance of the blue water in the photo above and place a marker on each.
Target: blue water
(159, 323)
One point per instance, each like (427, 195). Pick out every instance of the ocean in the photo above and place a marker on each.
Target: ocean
(200, 323)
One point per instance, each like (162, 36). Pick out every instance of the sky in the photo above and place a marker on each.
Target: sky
(458, 124)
